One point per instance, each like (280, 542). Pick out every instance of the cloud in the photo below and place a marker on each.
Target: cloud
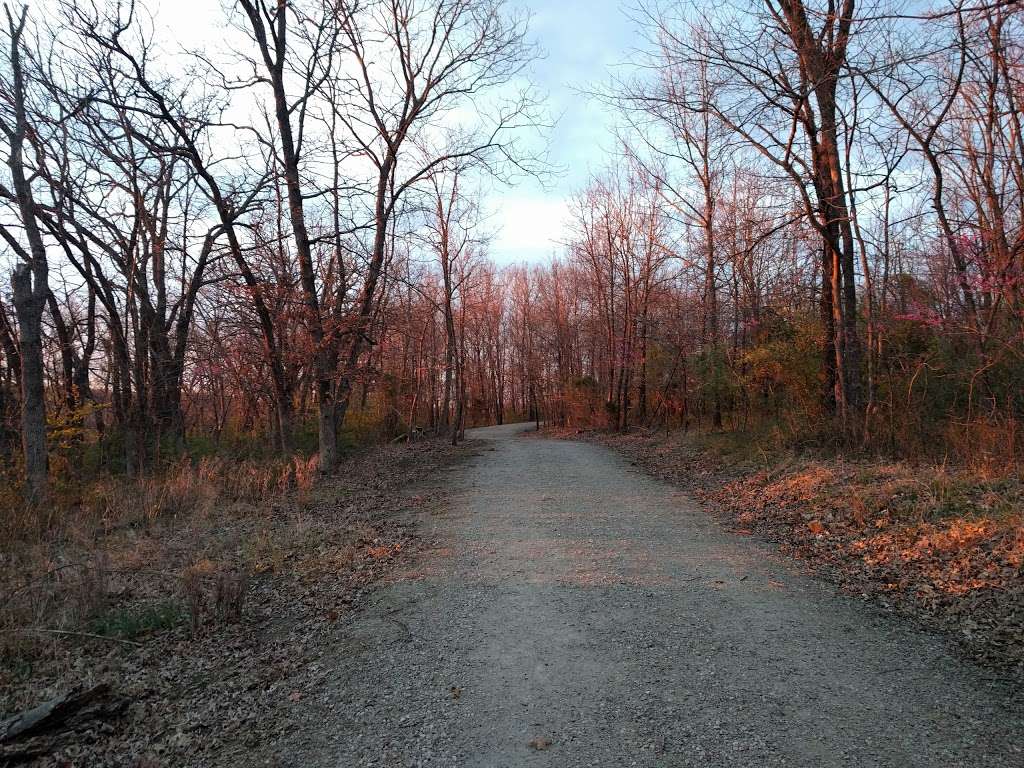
(528, 228)
(583, 40)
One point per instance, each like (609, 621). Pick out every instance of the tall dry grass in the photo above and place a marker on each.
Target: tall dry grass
(58, 560)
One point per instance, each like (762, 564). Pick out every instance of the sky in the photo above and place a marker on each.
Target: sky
(581, 41)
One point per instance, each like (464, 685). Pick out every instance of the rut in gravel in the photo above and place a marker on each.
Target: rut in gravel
(575, 612)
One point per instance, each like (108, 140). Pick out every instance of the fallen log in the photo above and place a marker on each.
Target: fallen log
(49, 714)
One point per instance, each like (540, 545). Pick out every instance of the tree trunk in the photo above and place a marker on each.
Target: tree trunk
(328, 431)
(29, 310)
(30, 286)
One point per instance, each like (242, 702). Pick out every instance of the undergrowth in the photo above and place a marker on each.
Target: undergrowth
(64, 563)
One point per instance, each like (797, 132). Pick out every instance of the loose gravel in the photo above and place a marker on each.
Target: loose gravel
(572, 611)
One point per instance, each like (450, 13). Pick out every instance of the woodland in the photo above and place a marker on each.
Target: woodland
(813, 221)
(228, 272)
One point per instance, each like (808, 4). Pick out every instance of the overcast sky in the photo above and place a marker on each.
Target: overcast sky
(582, 40)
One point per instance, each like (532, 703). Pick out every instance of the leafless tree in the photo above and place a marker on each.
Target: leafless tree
(30, 281)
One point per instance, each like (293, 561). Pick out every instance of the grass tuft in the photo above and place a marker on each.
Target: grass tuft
(130, 623)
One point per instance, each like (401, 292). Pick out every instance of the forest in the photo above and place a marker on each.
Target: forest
(229, 272)
(810, 221)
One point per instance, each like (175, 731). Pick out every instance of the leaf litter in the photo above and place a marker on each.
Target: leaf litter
(217, 689)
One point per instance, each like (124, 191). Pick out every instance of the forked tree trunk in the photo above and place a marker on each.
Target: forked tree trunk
(29, 284)
(29, 310)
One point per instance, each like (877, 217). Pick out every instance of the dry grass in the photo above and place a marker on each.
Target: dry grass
(64, 565)
(203, 594)
(183, 489)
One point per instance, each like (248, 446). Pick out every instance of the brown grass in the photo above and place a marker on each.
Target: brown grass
(179, 550)
(211, 603)
(61, 563)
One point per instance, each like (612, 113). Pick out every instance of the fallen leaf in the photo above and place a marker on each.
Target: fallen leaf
(541, 743)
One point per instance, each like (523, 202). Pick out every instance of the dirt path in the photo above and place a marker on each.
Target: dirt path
(572, 600)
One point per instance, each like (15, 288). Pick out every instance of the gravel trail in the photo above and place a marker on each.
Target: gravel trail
(575, 612)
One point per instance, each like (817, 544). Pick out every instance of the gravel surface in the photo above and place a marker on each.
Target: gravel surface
(575, 612)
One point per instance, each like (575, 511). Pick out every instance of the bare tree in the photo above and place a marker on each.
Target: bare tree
(114, 43)
(414, 64)
(774, 83)
(270, 27)
(29, 283)
(455, 238)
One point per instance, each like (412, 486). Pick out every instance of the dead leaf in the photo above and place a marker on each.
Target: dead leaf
(541, 743)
